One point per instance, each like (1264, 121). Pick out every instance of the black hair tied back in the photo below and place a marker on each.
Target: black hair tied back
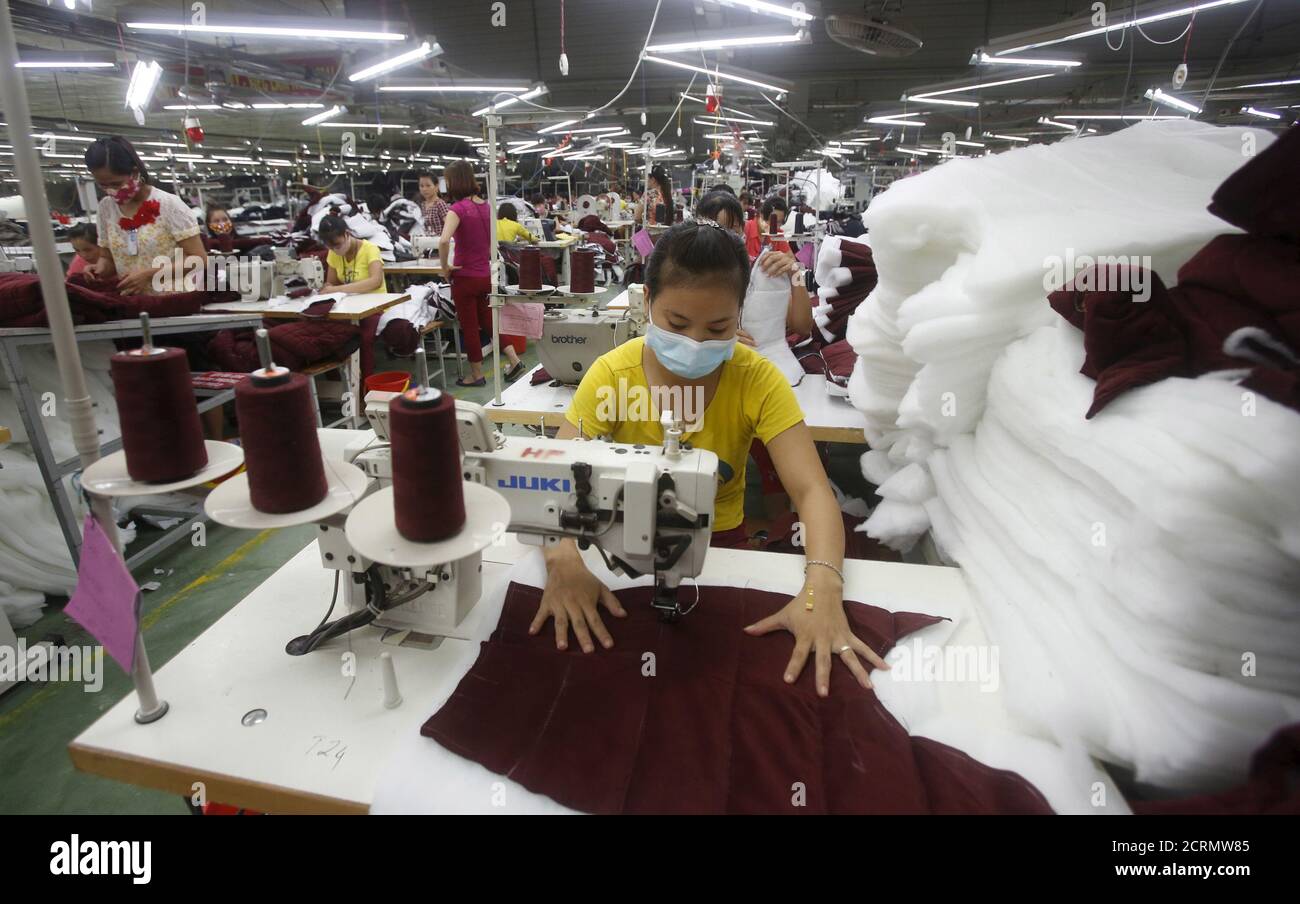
(700, 251)
(332, 227)
(118, 154)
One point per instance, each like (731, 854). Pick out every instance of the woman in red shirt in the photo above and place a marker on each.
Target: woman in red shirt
(757, 232)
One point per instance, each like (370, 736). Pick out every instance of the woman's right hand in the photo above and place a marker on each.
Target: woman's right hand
(571, 598)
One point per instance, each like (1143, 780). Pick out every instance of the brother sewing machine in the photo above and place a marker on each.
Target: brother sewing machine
(573, 338)
(647, 509)
(257, 279)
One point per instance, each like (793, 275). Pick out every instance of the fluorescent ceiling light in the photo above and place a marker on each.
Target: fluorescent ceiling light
(139, 93)
(720, 43)
(1277, 84)
(453, 89)
(1169, 100)
(716, 73)
(556, 127)
(439, 133)
(1044, 121)
(1019, 138)
(286, 106)
(66, 59)
(984, 59)
(743, 120)
(510, 102)
(1114, 116)
(979, 86)
(971, 144)
(896, 120)
(283, 27)
(1262, 113)
(1082, 27)
(64, 136)
(941, 100)
(424, 51)
(599, 129)
(729, 134)
(771, 9)
(363, 125)
(192, 107)
(336, 110)
(919, 151)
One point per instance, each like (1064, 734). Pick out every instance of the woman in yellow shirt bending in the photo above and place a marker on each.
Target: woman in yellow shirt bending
(728, 396)
(353, 265)
(509, 229)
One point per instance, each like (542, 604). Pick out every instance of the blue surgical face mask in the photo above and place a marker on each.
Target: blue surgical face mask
(685, 356)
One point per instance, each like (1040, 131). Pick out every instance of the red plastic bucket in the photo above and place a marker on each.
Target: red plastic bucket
(388, 381)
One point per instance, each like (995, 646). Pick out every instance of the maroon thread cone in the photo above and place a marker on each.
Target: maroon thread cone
(161, 433)
(582, 263)
(428, 495)
(530, 268)
(277, 428)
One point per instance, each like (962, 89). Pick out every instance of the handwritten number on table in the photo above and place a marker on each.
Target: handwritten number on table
(329, 748)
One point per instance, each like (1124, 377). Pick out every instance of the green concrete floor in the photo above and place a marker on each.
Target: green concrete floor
(37, 721)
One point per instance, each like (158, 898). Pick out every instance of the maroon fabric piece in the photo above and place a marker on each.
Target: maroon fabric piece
(162, 436)
(593, 223)
(862, 268)
(277, 428)
(1273, 788)
(715, 730)
(1248, 283)
(1263, 197)
(1234, 282)
(401, 338)
(539, 376)
(295, 344)
(22, 304)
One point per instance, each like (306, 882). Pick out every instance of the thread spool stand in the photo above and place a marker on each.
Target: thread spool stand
(231, 504)
(372, 525)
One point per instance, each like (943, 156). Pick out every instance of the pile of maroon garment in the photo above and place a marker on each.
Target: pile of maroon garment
(1236, 305)
(23, 305)
(715, 729)
(1273, 788)
(857, 258)
(295, 344)
(235, 244)
(834, 360)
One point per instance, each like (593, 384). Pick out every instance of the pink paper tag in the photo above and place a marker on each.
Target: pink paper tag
(643, 243)
(805, 254)
(522, 319)
(107, 601)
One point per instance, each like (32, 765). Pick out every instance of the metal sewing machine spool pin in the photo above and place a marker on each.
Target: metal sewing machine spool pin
(422, 393)
(268, 374)
(147, 348)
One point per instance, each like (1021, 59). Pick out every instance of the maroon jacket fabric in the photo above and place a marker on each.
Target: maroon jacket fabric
(295, 344)
(1273, 787)
(1236, 305)
(22, 304)
(714, 730)
(858, 258)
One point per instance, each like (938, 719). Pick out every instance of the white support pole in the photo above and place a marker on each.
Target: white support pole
(76, 397)
(492, 122)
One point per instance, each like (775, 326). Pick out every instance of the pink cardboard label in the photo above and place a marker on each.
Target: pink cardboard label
(107, 600)
(805, 254)
(643, 242)
(522, 319)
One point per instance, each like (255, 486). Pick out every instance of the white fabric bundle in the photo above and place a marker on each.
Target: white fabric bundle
(767, 304)
(416, 310)
(1132, 566)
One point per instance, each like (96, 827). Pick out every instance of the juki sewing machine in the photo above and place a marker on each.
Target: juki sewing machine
(257, 279)
(573, 338)
(648, 510)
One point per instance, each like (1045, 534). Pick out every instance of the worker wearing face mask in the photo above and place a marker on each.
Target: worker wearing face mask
(141, 225)
(696, 280)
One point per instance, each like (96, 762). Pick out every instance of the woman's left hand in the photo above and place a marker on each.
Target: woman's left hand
(779, 263)
(824, 632)
(137, 282)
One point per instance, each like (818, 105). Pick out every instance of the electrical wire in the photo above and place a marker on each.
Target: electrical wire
(1181, 34)
(1215, 77)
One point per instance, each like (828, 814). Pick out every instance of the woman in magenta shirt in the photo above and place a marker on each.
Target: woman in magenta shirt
(470, 221)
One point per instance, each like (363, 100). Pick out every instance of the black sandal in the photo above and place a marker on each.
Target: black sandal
(515, 371)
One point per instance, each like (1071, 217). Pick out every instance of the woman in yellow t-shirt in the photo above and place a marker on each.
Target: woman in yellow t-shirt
(509, 229)
(729, 395)
(353, 265)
